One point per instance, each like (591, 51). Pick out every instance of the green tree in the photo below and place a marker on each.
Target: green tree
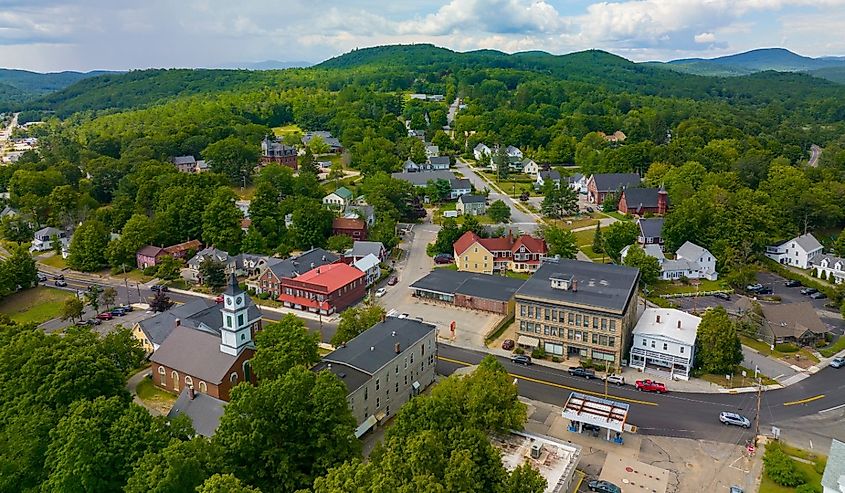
(339, 243)
(839, 245)
(64, 205)
(559, 241)
(617, 236)
(109, 295)
(649, 266)
(92, 296)
(221, 222)
(286, 431)
(503, 167)
(718, 347)
(355, 320)
(558, 201)
(179, 467)
(312, 224)
(499, 212)
(137, 232)
(168, 268)
(283, 345)
(781, 468)
(160, 302)
(225, 483)
(122, 349)
(212, 273)
(19, 269)
(446, 237)
(88, 246)
(72, 309)
(384, 231)
(16, 228)
(438, 190)
(598, 239)
(232, 157)
(318, 145)
(307, 164)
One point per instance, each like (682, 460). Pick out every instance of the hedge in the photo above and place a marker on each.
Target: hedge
(780, 468)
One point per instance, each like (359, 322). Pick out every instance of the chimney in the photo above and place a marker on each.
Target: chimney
(574, 285)
(658, 319)
(324, 258)
(191, 393)
(372, 348)
(312, 265)
(397, 348)
(178, 322)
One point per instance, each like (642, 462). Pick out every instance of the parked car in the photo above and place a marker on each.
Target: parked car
(60, 283)
(392, 281)
(218, 298)
(42, 278)
(807, 291)
(837, 362)
(753, 288)
(602, 486)
(127, 308)
(651, 386)
(722, 296)
(818, 295)
(765, 290)
(734, 419)
(80, 323)
(93, 321)
(117, 312)
(105, 316)
(792, 283)
(380, 292)
(582, 372)
(521, 359)
(736, 489)
(59, 277)
(159, 288)
(508, 344)
(615, 379)
(443, 260)
(403, 315)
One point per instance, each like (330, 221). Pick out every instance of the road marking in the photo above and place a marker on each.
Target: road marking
(557, 385)
(832, 408)
(580, 480)
(804, 401)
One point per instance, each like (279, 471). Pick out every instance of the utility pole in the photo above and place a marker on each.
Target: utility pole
(757, 420)
(126, 286)
(605, 379)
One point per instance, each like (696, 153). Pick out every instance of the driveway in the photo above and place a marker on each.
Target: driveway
(526, 222)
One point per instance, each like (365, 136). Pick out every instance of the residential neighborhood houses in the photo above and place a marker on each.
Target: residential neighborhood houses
(600, 185)
(799, 252)
(691, 262)
(458, 186)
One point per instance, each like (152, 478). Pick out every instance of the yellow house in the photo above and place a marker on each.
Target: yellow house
(138, 333)
(481, 255)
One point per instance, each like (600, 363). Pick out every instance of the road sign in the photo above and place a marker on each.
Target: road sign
(776, 432)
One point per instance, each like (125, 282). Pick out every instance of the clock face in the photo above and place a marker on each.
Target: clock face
(239, 300)
(228, 300)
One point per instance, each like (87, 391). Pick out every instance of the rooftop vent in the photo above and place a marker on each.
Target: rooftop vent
(397, 348)
(536, 450)
(178, 322)
(372, 348)
(393, 333)
(563, 282)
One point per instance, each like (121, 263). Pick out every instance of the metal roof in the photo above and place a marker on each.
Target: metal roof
(603, 286)
(204, 410)
(596, 411)
(485, 286)
(375, 347)
(353, 378)
(610, 182)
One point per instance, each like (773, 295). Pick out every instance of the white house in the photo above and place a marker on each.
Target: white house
(530, 167)
(480, 151)
(705, 260)
(832, 267)
(544, 176)
(797, 252)
(431, 150)
(338, 199)
(43, 239)
(369, 265)
(664, 340)
(691, 261)
(833, 479)
(243, 206)
(578, 182)
(514, 152)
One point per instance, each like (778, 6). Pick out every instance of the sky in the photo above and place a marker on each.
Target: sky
(53, 35)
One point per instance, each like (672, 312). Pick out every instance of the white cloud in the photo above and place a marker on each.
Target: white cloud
(704, 38)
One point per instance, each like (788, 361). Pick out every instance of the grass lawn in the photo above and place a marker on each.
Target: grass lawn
(671, 287)
(584, 238)
(37, 305)
(137, 276)
(737, 380)
(575, 222)
(765, 349)
(446, 266)
(837, 346)
(517, 275)
(53, 261)
(287, 129)
(617, 215)
(809, 471)
(154, 396)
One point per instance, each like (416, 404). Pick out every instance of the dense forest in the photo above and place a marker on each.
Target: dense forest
(18, 87)
(732, 154)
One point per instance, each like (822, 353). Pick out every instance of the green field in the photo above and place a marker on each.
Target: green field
(809, 471)
(36, 305)
(154, 396)
(287, 129)
(584, 238)
(672, 287)
(53, 261)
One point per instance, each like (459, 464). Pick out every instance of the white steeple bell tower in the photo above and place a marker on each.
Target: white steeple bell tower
(235, 333)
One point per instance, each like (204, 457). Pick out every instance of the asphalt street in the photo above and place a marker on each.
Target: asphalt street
(684, 415)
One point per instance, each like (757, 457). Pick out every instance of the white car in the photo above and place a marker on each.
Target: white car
(380, 292)
(616, 379)
(734, 419)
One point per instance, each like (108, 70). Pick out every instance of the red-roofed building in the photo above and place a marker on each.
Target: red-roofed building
(327, 289)
(150, 255)
(353, 228)
(487, 255)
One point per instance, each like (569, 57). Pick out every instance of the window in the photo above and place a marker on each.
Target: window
(521, 310)
(203, 387)
(595, 338)
(578, 319)
(645, 343)
(612, 325)
(189, 382)
(571, 318)
(162, 375)
(604, 324)
(377, 383)
(397, 387)
(366, 392)
(665, 346)
(611, 341)
(229, 320)
(240, 320)
(378, 402)
(682, 350)
(175, 377)
(547, 313)
(233, 378)
(652, 344)
(586, 321)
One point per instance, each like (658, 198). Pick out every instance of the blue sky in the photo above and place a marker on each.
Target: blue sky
(49, 35)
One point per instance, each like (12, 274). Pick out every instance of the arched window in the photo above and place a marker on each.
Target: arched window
(175, 377)
(189, 382)
(233, 378)
(247, 366)
(203, 387)
(162, 376)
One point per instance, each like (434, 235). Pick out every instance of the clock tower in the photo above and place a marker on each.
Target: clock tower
(236, 333)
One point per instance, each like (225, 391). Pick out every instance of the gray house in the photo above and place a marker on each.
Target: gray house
(384, 367)
(471, 205)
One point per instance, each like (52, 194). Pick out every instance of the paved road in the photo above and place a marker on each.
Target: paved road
(685, 415)
(767, 366)
(815, 153)
(526, 222)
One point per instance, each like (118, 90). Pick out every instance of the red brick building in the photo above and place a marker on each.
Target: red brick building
(642, 201)
(353, 228)
(273, 151)
(327, 289)
(214, 355)
(601, 184)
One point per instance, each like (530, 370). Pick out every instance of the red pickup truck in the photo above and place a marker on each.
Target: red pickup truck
(650, 386)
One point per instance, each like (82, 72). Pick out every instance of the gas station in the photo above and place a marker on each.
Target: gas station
(586, 413)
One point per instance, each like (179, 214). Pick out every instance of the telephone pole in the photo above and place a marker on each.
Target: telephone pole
(757, 419)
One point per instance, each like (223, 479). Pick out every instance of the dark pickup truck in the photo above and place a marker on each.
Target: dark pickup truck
(582, 372)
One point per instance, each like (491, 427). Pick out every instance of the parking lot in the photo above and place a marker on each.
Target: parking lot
(106, 326)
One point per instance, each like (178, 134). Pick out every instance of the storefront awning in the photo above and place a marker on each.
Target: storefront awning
(528, 341)
(365, 426)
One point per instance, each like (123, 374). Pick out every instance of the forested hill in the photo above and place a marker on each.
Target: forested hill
(144, 87)
(19, 86)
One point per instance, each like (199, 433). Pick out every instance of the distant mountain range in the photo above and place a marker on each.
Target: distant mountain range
(19, 86)
(749, 62)
(265, 65)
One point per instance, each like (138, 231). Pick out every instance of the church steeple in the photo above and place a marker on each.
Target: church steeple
(235, 332)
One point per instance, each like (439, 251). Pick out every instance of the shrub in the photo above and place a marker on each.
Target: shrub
(786, 347)
(780, 468)
(519, 350)
(555, 359)
(821, 344)
(151, 270)
(807, 488)
(538, 353)
(264, 296)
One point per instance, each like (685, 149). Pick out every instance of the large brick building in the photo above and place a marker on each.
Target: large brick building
(578, 309)
(601, 184)
(353, 228)
(642, 201)
(273, 151)
(327, 289)
(210, 357)
(270, 278)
